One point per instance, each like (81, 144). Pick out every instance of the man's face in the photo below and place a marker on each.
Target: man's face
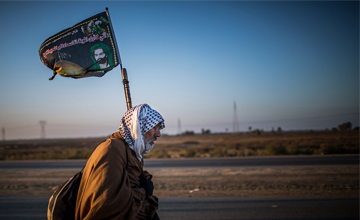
(100, 56)
(152, 134)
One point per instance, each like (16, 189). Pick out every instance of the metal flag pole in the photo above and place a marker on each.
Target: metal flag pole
(123, 70)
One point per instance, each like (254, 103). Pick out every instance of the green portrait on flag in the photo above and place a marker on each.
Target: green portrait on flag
(101, 56)
(86, 49)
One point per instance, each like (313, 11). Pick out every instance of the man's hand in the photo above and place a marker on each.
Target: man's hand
(146, 184)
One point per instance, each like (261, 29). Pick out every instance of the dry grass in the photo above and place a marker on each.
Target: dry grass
(251, 144)
(322, 181)
(198, 146)
(48, 149)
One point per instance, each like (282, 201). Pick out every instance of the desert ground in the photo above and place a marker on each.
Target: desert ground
(299, 181)
(319, 181)
(254, 143)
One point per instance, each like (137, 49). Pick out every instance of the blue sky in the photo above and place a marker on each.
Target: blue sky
(288, 64)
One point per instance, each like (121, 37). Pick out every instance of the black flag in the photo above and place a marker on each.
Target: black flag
(86, 49)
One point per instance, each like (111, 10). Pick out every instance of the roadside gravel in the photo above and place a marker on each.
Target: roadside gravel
(307, 181)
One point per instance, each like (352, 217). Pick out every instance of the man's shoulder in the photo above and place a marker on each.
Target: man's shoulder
(116, 141)
(116, 135)
(111, 151)
(114, 144)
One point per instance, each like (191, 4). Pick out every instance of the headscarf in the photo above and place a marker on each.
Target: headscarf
(135, 123)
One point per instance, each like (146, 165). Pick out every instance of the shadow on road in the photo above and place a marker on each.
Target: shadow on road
(228, 208)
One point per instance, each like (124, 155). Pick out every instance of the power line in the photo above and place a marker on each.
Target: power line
(305, 118)
(21, 127)
(276, 120)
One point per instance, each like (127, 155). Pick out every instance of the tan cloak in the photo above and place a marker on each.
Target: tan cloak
(110, 191)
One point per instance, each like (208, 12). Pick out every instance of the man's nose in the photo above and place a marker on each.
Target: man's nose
(157, 133)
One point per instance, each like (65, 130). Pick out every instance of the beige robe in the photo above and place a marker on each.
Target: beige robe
(110, 191)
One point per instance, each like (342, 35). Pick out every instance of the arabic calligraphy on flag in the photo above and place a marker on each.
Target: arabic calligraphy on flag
(86, 49)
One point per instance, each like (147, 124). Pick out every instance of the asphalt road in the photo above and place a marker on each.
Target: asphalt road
(199, 163)
(210, 208)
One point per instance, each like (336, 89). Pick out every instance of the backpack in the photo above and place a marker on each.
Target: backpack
(63, 200)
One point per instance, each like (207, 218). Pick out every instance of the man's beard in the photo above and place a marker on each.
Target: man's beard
(149, 146)
(102, 60)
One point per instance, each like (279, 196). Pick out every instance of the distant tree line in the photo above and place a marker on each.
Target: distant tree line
(346, 127)
(342, 127)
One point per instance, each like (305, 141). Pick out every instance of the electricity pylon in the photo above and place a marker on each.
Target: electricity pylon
(42, 124)
(235, 121)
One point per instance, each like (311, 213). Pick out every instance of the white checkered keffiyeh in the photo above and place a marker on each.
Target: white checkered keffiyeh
(135, 123)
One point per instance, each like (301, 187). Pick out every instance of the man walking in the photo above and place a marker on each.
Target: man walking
(114, 184)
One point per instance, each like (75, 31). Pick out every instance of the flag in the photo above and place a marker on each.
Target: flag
(86, 49)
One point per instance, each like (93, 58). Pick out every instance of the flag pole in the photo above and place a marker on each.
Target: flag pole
(126, 88)
(123, 70)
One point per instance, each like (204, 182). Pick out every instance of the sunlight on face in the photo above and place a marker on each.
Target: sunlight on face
(153, 133)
